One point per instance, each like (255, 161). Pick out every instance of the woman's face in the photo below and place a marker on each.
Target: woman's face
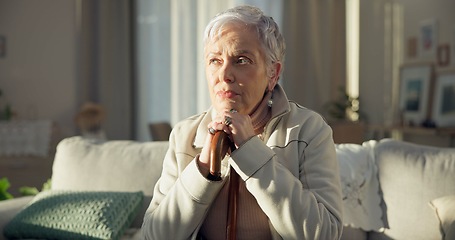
(236, 70)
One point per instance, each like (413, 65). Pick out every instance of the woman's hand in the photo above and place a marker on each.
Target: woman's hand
(239, 128)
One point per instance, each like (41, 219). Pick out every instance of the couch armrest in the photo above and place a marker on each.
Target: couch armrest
(9, 209)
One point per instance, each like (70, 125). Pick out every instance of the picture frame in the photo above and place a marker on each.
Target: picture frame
(453, 47)
(443, 57)
(444, 99)
(2, 46)
(412, 47)
(428, 41)
(416, 82)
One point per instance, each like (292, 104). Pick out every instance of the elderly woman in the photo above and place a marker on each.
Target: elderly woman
(285, 156)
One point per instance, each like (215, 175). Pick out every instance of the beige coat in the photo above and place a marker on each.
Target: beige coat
(293, 173)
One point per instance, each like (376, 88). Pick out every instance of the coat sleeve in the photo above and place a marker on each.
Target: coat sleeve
(180, 200)
(298, 189)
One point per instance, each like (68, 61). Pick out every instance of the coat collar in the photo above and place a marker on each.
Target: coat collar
(202, 131)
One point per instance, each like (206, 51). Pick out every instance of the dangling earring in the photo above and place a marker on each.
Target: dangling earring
(270, 101)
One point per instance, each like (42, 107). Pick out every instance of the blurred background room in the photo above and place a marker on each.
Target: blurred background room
(139, 62)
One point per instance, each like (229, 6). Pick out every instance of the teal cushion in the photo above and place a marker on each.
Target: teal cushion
(76, 215)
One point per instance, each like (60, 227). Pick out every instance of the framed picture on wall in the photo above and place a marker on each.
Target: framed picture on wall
(2, 46)
(453, 47)
(443, 57)
(444, 99)
(428, 41)
(415, 89)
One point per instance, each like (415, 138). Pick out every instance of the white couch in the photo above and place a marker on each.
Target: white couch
(392, 189)
(87, 165)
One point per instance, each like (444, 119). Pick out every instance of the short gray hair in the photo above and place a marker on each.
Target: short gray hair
(267, 29)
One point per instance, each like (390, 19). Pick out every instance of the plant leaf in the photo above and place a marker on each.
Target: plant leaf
(4, 185)
(28, 191)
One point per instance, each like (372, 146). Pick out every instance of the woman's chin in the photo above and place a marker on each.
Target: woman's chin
(226, 106)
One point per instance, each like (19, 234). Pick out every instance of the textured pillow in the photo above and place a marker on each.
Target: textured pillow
(360, 186)
(445, 211)
(76, 215)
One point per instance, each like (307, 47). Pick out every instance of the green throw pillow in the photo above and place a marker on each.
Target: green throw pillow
(76, 215)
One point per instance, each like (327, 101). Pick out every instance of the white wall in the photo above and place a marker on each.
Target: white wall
(385, 26)
(416, 11)
(37, 75)
(61, 54)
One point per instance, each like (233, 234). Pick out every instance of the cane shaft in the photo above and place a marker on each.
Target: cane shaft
(231, 230)
(219, 145)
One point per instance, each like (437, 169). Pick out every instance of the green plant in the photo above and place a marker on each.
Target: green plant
(344, 108)
(47, 185)
(28, 191)
(31, 191)
(25, 191)
(4, 185)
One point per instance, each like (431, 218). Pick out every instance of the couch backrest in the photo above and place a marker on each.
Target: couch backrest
(82, 164)
(411, 176)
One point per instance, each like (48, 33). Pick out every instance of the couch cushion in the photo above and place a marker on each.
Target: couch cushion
(86, 165)
(76, 215)
(360, 186)
(410, 176)
(445, 212)
(10, 208)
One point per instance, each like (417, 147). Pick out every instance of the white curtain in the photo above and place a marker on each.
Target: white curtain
(171, 82)
(315, 64)
(103, 62)
(153, 62)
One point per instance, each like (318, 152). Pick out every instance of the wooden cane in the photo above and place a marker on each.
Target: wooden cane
(220, 143)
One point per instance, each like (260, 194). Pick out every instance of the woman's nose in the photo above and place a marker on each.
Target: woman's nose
(226, 73)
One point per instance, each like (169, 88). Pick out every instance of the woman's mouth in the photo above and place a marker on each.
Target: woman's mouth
(226, 94)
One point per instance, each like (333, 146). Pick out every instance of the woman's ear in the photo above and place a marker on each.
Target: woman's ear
(274, 75)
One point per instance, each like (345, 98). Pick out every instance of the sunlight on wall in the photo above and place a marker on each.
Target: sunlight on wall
(352, 50)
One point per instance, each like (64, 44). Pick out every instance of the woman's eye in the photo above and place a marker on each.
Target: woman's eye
(214, 61)
(243, 60)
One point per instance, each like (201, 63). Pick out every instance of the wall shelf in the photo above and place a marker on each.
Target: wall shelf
(441, 137)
